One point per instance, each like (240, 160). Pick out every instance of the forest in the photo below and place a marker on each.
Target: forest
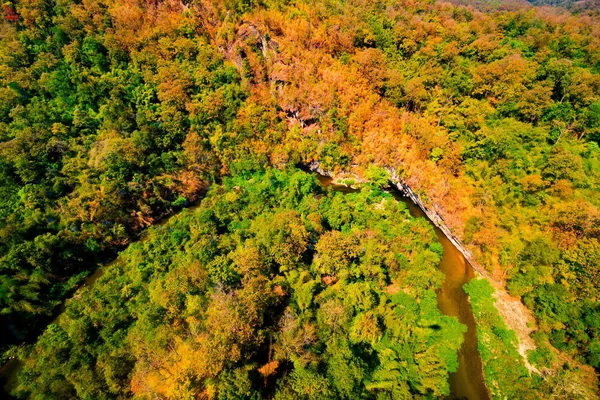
(116, 116)
(269, 279)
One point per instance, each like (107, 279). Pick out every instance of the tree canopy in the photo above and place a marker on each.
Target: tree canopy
(116, 114)
(271, 287)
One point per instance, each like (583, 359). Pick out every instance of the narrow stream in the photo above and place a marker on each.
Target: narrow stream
(467, 382)
(9, 371)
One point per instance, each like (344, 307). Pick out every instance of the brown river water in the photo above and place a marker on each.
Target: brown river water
(467, 382)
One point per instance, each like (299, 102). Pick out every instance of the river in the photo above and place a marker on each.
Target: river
(467, 382)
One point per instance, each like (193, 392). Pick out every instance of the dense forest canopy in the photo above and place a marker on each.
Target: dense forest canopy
(576, 6)
(269, 280)
(115, 114)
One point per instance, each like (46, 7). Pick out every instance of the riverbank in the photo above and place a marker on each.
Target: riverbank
(513, 312)
(468, 380)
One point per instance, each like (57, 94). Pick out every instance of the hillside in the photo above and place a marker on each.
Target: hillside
(576, 6)
(115, 115)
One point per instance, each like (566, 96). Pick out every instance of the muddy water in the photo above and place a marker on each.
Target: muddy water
(467, 382)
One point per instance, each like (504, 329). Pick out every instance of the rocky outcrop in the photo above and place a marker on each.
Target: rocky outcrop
(400, 185)
(315, 166)
(437, 220)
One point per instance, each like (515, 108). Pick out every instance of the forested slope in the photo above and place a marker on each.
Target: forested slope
(270, 288)
(99, 128)
(585, 7)
(114, 114)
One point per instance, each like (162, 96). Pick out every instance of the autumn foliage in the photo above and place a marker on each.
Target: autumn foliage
(116, 114)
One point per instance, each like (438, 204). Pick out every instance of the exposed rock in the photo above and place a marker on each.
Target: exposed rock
(437, 220)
